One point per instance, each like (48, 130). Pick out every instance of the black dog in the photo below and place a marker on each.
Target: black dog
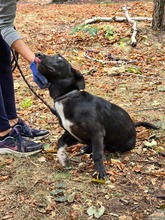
(86, 118)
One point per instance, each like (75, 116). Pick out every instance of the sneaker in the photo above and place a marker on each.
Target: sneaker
(16, 145)
(28, 132)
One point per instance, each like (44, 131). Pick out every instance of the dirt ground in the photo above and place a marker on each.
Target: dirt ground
(39, 188)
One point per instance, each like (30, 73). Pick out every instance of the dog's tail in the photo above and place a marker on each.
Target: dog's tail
(146, 125)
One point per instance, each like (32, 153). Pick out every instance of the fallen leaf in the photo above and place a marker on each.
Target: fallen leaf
(124, 217)
(71, 197)
(137, 168)
(91, 210)
(97, 213)
(61, 199)
(151, 144)
(6, 161)
(7, 217)
(3, 178)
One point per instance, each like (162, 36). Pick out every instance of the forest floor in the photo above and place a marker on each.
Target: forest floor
(39, 188)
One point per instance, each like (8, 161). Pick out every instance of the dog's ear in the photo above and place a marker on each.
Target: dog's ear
(78, 78)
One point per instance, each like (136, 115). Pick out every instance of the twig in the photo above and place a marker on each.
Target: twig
(134, 27)
(161, 153)
(148, 77)
(155, 173)
(160, 196)
(119, 61)
(153, 108)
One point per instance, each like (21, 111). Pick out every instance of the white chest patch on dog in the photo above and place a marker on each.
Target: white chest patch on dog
(66, 123)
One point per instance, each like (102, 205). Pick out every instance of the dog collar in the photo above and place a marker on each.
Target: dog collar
(69, 94)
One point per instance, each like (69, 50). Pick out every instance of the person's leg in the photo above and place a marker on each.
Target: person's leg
(7, 86)
(7, 95)
(11, 141)
(7, 99)
(4, 123)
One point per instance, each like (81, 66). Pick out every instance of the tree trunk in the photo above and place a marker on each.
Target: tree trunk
(158, 22)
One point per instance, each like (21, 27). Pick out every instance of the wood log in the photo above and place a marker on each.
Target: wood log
(134, 26)
(113, 19)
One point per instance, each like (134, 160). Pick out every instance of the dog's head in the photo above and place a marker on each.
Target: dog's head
(62, 77)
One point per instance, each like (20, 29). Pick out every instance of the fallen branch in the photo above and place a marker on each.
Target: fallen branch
(114, 19)
(127, 17)
(113, 61)
(134, 27)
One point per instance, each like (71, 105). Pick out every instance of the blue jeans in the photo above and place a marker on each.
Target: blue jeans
(7, 97)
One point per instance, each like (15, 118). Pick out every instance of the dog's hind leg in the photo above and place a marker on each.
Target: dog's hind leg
(64, 141)
(129, 145)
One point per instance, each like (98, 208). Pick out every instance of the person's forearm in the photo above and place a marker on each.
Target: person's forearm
(23, 50)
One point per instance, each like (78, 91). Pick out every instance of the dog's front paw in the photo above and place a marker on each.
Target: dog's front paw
(98, 177)
(62, 156)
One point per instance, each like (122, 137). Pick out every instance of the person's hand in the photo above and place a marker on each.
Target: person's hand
(39, 79)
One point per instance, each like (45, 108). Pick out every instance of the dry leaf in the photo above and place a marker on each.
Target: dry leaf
(3, 178)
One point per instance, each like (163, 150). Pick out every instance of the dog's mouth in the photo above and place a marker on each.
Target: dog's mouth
(43, 66)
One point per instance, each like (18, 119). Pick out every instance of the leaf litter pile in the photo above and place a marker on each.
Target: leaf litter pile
(38, 187)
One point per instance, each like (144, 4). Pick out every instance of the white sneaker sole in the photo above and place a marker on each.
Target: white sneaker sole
(36, 138)
(18, 154)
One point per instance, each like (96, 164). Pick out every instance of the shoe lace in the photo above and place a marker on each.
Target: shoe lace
(26, 129)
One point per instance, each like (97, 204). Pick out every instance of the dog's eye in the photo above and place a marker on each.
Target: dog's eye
(60, 58)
